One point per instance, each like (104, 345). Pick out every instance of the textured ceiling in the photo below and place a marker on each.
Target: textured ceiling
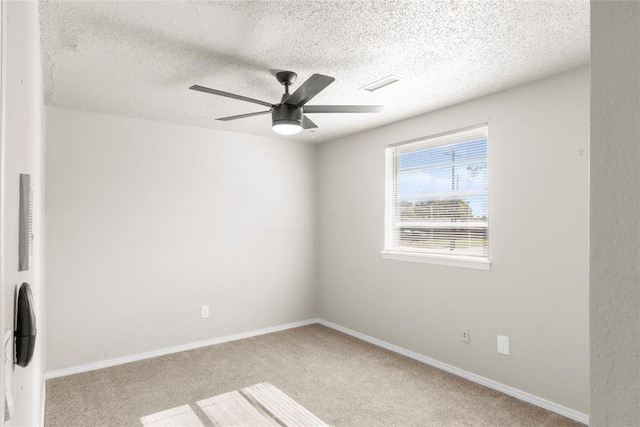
(138, 59)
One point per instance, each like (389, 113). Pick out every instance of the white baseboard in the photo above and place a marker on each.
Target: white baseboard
(511, 391)
(175, 349)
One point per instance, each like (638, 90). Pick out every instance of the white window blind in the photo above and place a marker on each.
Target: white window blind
(437, 195)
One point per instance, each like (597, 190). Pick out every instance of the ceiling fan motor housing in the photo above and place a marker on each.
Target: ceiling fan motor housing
(286, 114)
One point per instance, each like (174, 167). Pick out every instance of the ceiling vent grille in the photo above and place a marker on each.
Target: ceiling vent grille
(379, 84)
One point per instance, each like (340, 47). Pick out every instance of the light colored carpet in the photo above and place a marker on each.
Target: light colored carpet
(342, 380)
(260, 405)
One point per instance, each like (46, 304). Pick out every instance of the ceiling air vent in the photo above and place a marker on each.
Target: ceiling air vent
(378, 84)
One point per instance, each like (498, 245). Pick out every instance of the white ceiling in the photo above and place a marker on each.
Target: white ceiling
(138, 59)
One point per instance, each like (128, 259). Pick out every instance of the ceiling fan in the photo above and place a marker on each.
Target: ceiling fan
(290, 115)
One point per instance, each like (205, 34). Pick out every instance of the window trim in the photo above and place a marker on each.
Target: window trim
(472, 263)
(421, 257)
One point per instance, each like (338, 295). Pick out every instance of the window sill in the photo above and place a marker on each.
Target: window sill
(438, 260)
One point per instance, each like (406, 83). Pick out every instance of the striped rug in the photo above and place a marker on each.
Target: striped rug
(258, 405)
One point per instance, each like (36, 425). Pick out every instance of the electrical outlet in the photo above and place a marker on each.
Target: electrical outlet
(503, 345)
(204, 311)
(464, 335)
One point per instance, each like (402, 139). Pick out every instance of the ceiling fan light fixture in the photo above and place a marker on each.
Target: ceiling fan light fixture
(286, 128)
(286, 119)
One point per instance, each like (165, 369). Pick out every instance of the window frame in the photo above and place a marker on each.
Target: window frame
(453, 260)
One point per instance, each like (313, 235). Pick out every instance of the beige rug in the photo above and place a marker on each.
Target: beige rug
(258, 405)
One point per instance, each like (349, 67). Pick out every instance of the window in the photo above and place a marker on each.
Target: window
(437, 199)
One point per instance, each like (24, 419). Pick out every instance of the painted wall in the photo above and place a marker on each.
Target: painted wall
(23, 153)
(148, 221)
(537, 290)
(614, 214)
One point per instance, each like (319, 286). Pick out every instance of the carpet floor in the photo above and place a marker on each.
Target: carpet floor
(340, 379)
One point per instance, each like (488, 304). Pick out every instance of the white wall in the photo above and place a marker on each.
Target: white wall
(537, 290)
(148, 221)
(615, 208)
(23, 153)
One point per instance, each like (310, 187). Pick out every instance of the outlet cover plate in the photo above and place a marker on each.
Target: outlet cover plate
(503, 345)
(464, 335)
(204, 311)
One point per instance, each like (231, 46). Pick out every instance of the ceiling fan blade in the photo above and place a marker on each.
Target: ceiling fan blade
(315, 109)
(229, 95)
(307, 123)
(313, 86)
(242, 116)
